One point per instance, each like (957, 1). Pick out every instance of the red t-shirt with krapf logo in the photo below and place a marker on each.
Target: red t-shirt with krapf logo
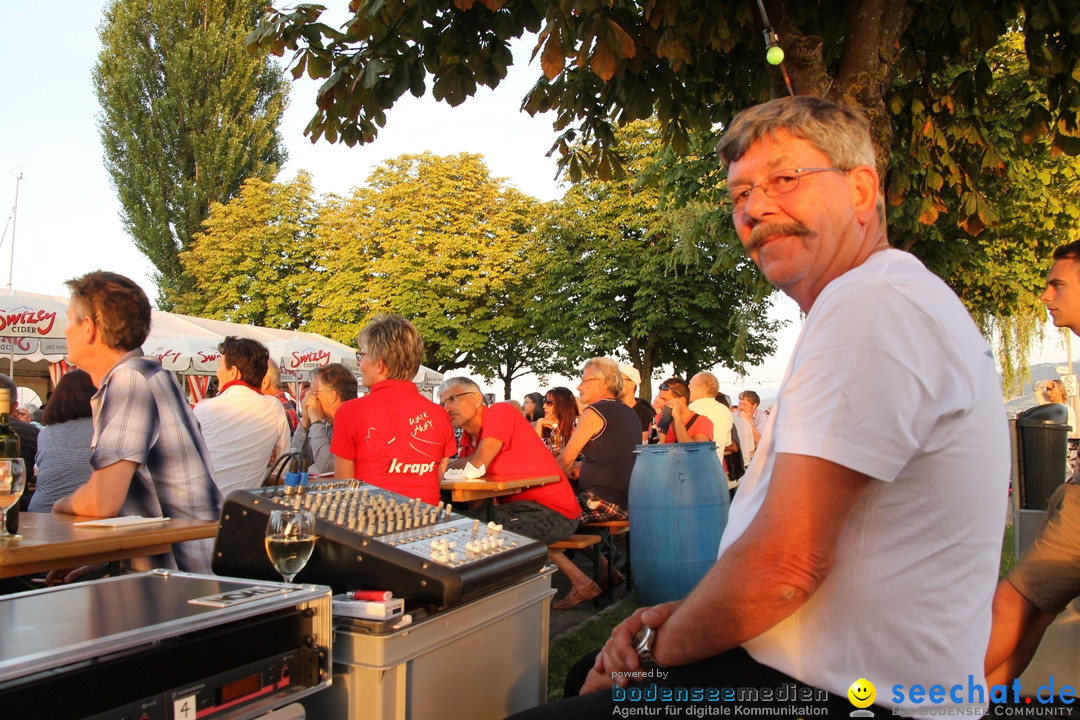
(395, 438)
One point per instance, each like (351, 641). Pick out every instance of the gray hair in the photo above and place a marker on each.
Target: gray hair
(272, 379)
(708, 382)
(460, 381)
(609, 372)
(842, 132)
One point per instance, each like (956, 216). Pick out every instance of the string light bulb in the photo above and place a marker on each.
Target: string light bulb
(774, 54)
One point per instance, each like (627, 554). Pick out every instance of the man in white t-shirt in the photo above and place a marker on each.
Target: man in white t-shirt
(244, 430)
(745, 432)
(703, 389)
(864, 540)
(641, 408)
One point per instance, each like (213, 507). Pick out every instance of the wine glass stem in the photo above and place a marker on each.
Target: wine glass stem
(4, 534)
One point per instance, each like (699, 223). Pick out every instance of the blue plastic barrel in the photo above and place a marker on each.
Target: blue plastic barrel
(678, 510)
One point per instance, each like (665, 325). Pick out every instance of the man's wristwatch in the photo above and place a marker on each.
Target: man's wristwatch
(643, 643)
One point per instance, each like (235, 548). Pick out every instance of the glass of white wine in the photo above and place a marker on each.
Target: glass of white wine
(12, 483)
(290, 538)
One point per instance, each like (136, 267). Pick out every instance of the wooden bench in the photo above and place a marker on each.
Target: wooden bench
(574, 542)
(608, 531)
(580, 542)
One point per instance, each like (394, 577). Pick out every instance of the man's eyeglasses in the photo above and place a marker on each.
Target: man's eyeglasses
(775, 185)
(359, 355)
(453, 398)
(665, 386)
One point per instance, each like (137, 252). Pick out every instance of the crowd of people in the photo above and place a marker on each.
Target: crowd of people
(863, 541)
(153, 454)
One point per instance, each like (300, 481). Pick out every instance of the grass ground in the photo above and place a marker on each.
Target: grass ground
(566, 650)
(1008, 552)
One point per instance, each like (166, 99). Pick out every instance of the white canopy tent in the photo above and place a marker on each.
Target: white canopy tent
(185, 344)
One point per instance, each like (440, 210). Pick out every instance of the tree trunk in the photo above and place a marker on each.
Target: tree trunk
(870, 46)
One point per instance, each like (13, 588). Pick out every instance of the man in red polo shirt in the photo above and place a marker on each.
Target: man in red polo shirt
(500, 438)
(393, 437)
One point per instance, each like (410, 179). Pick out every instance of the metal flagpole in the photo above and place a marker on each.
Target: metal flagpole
(14, 219)
(11, 265)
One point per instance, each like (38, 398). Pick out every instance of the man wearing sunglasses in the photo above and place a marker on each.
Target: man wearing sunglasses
(865, 537)
(502, 440)
(683, 424)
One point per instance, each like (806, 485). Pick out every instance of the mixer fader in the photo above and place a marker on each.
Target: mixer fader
(372, 538)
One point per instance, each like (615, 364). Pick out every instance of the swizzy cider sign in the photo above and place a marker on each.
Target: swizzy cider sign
(307, 359)
(26, 322)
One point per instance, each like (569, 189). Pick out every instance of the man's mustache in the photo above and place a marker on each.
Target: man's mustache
(760, 233)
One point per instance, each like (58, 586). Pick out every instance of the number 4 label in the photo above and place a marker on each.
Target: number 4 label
(184, 708)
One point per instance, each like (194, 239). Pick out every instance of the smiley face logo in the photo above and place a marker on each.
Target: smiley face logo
(862, 693)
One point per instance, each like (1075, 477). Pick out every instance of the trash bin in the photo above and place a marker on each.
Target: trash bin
(1042, 445)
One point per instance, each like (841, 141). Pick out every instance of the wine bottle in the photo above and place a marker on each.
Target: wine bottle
(9, 448)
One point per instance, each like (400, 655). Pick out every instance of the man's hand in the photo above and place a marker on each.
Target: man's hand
(311, 410)
(70, 575)
(618, 655)
(679, 408)
(485, 452)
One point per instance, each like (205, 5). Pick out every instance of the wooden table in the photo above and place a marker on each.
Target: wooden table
(491, 486)
(52, 542)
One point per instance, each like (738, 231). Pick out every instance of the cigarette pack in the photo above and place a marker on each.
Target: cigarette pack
(368, 609)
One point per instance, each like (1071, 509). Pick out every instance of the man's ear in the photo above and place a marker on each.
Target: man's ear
(227, 368)
(864, 191)
(91, 329)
